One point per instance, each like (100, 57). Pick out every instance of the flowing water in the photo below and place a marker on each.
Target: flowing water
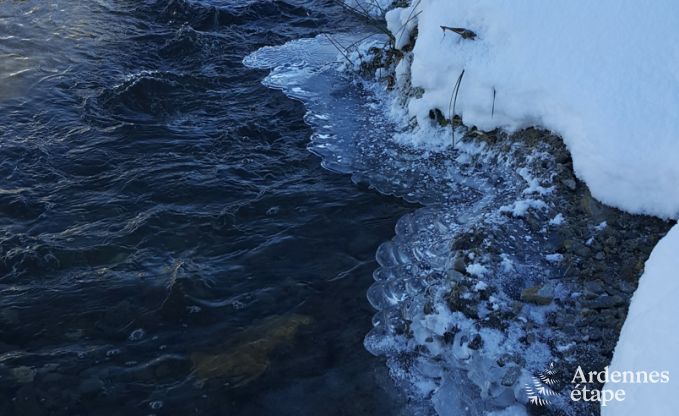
(168, 245)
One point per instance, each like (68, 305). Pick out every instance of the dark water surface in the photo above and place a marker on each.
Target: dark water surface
(167, 244)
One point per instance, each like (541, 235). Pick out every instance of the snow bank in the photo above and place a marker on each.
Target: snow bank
(601, 74)
(649, 340)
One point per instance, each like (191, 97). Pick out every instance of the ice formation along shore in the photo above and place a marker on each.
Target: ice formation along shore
(603, 76)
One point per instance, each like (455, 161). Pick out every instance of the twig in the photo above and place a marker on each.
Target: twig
(361, 11)
(339, 48)
(410, 16)
(492, 110)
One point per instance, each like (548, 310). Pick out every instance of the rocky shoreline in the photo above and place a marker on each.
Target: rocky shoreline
(598, 253)
(543, 270)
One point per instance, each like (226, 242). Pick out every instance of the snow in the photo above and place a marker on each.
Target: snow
(476, 269)
(649, 340)
(557, 220)
(554, 257)
(520, 208)
(601, 226)
(601, 74)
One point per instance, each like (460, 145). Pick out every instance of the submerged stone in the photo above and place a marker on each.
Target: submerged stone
(246, 357)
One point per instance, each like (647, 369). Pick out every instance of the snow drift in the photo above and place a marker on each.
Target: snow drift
(648, 341)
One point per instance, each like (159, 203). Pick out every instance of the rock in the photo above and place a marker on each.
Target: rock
(595, 286)
(580, 249)
(604, 301)
(462, 299)
(455, 276)
(631, 270)
(570, 184)
(245, 357)
(476, 342)
(539, 295)
(511, 376)
(516, 308)
(468, 240)
(459, 264)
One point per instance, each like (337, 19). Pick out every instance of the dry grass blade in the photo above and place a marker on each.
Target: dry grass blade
(453, 103)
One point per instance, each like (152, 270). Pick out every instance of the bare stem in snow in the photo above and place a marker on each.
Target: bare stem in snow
(453, 102)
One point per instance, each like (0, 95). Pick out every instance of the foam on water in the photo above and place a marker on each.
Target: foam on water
(427, 343)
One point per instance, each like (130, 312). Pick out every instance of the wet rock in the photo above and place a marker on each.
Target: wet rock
(538, 295)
